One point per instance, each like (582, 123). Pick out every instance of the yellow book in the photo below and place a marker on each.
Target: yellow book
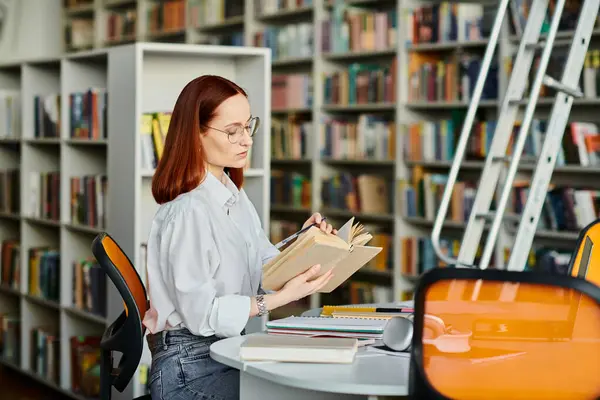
(159, 143)
(164, 120)
(34, 282)
(365, 311)
(345, 253)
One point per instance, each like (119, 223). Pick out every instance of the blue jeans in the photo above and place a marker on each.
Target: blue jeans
(182, 369)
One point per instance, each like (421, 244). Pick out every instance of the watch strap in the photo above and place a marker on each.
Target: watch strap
(262, 308)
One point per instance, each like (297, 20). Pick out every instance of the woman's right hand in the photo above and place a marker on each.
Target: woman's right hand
(304, 285)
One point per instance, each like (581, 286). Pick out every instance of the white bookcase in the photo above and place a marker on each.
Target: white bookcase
(148, 78)
(139, 78)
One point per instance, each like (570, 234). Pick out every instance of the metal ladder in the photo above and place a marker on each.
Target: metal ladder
(497, 159)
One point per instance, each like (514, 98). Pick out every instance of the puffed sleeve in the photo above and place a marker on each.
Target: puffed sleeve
(193, 260)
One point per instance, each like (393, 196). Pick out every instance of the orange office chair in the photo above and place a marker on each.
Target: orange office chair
(543, 342)
(126, 334)
(586, 251)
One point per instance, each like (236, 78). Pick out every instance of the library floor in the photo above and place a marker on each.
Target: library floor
(19, 387)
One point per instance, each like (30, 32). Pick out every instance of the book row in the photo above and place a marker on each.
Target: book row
(87, 115)
(121, 23)
(372, 137)
(344, 191)
(365, 137)
(44, 276)
(213, 12)
(295, 40)
(87, 197)
(418, 256)
(289, 91)
(267, 7)
(427, 141)
(353, 29)
(45, 361)
(290, 188)
(348, 28)
(361, 83)
(566, 209)
(290, 138)
(357, 193)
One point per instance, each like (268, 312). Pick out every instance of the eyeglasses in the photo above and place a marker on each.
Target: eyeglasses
(235, 134)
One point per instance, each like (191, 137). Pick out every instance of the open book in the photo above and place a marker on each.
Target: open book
(345, 252)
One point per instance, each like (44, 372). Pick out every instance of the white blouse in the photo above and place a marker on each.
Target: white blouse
(205, 254)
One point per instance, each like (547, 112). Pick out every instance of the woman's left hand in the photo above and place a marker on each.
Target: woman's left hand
(323, 225)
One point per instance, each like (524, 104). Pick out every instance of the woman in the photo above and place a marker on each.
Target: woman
(206, 245)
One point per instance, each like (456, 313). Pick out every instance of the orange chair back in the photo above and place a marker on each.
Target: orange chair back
(132, 279)
(585, 262)
(543, 343)
(126, 334)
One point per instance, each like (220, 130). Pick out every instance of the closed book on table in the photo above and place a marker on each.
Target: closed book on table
(265, 347)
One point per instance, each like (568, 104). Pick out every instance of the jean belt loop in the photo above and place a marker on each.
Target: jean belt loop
(163, 338)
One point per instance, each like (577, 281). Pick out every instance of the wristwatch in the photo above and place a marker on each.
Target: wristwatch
(262, 308)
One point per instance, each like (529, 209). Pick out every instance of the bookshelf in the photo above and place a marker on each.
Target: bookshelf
(87, 161)
(307, 45)
(311, 40)
(303, 45)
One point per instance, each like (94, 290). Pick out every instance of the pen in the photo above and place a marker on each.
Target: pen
(395, 310)
(295, 235)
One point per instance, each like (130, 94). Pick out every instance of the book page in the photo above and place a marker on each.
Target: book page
(286, 254)
(359, 236)
(290, 250)
(346, 267)
(345, 232)
(299, 248)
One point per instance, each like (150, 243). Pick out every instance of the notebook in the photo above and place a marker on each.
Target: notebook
(345, 252)
(365, 311)
(328, 310)
(349, 327)
(266, 347)
(370, 315)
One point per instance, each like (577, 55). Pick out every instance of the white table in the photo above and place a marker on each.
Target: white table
(369, 377)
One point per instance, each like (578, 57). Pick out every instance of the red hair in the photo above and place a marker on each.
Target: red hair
(182, 165)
